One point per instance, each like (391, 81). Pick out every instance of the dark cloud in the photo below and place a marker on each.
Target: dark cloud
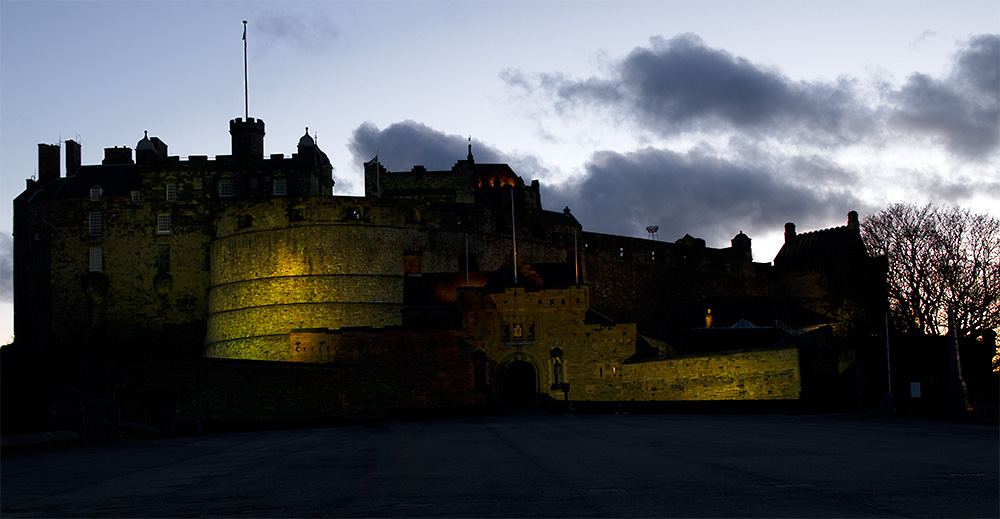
(680, 85)
(6, 267)
(401, 146)
(961, 111)
(694, 193)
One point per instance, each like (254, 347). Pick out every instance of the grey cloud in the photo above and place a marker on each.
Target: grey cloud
(6, 267)
(963, 110)
(403, 145)
(312, 32)
(694, 193)
(680, 84)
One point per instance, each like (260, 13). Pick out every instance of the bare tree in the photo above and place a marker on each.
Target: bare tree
(941, 261)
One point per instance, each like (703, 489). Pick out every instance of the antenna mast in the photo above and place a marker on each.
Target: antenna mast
(246, 90)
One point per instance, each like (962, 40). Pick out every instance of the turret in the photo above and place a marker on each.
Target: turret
(852, 221)
(741, 244)
(248, 138)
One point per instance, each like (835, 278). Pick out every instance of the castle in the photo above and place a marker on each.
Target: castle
(197, 279)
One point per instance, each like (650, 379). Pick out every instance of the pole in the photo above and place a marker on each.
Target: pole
(888, 360)
(246, 89)
(466, 259)
(513, 231)
(576, 258)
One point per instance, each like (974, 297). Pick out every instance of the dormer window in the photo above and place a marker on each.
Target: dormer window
(136, 196)
(226, 188)
(280, 185)
(95, 194)
(171, 192)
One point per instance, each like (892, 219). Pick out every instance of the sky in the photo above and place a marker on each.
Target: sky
(705, 118)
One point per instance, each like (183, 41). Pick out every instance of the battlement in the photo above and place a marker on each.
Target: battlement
(248, 137)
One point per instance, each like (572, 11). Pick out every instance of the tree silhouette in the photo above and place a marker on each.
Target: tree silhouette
(942, 260)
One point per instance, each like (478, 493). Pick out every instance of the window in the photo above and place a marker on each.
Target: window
(280, 186)
(95, 194)
(163, 258)
(136, 196)
(96, 259)
(171, 192)
(163, 224)
(226, 188)
(96, 224)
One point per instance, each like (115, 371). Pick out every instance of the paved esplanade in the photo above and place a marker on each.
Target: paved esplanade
(531, 466)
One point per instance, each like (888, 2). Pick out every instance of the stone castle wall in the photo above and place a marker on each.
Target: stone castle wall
(752, 375)
(334, 262)
(635, 279)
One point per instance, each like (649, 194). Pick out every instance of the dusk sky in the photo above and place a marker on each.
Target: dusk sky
(705, 118)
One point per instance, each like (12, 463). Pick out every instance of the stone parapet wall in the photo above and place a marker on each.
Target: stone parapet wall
(752, 375)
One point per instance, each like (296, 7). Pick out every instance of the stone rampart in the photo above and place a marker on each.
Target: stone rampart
(751, 375)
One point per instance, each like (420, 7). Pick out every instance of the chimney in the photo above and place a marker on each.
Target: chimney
(117, 155)
(852, 221)
(48, 162)
(789, 231)
(72, 157)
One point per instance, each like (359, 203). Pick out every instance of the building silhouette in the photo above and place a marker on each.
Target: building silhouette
(239, 287)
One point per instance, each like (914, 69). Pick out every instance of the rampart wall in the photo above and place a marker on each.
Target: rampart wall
(751, 375)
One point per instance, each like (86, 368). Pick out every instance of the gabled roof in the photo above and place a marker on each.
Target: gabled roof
(820, 248)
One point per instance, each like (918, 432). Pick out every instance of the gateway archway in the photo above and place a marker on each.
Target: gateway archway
(520, 383)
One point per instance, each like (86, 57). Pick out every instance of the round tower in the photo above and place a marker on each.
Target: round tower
(248, 138)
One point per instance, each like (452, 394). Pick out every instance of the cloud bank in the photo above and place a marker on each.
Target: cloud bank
(759, 149)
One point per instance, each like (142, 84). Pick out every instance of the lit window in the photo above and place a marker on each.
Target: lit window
(95, 194)
(136, 196)
(163, 224)
(96, 224)
(163, 258)
(171, 192)
(96, 259)
(226, 188)
(280, 186)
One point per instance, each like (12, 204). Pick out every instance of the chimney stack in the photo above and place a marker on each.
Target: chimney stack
(48, 162)
(789, 231)
(72, 157)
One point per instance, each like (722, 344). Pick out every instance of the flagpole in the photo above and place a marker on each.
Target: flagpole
(246, 89)
(513, 231)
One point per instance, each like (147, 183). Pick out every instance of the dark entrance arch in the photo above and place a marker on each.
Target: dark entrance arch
(519, 383)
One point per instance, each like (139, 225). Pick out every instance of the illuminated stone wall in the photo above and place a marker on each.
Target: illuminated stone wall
(751, 375)
(335, 262)
(536, 325)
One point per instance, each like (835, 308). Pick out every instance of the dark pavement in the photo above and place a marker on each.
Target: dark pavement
(532, 466)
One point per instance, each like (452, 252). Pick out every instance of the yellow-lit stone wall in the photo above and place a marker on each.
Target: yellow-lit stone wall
(591, 354)
(333, 262)
(752, 375)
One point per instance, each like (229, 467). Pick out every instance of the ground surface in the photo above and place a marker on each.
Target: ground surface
(532, 466)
